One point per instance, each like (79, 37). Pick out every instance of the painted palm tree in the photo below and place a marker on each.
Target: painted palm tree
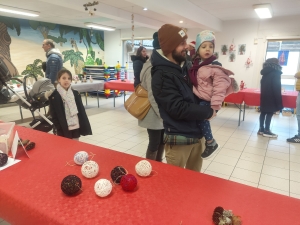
(75, 58)
(34, 69)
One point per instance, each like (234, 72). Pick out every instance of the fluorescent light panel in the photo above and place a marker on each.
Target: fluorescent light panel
(24, 12)
(99, 26)
(263, 11)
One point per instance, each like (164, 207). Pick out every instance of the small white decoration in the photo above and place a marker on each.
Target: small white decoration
(90, 169)
(81, 157)
(103, 187)
(143, 168)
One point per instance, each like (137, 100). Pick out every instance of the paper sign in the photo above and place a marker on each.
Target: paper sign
(14, 147)
(9, 163)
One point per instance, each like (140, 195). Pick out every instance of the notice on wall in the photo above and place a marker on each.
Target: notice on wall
(283, 57)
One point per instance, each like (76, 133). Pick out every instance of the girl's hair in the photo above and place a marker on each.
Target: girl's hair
(139, 51)
(62, 71)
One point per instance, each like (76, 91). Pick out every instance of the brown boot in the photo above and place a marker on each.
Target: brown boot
(160, 153)
(151, 155)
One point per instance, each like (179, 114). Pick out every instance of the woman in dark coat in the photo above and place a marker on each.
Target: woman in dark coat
(270, 97)
(138, 61)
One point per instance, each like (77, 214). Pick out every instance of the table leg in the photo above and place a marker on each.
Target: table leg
(114, 98)
(98, 98)
(21, 112)
(124, 95)
(85, 98)
(240, 109)
(244, 111)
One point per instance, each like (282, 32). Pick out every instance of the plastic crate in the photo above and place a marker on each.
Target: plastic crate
(6, 136)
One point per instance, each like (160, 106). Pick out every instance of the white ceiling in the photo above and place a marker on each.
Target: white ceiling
(117, 13)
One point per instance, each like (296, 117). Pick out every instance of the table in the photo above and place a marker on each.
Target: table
(96, 85)
(125, 85)
(32, 194)
(251, 97)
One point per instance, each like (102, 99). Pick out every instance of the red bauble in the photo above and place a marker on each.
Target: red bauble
(128, 182)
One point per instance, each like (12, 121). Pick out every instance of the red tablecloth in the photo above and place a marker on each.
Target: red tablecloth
(251, 97)
(30, 192)
(119, 85)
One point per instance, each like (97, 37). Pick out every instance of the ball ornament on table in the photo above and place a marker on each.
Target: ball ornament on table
(103, 187)
(143, 168)
(71, 184)
(117, 173)
(3, 159)
(128, 182)
(81, 157)
(89, 169)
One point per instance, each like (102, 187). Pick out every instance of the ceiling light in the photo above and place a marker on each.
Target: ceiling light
(14, 10)
(145, 9)
(99, 26)
(263, 11)
(180, 21)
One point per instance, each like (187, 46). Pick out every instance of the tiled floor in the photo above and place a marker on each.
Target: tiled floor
(268, 163)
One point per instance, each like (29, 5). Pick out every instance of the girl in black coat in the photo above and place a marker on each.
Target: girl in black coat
(138, 61)
(270, 97)
(67, 111)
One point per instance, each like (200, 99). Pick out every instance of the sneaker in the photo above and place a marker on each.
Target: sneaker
(268, 133)
(210, 149)
(295, 139)
(260, 131)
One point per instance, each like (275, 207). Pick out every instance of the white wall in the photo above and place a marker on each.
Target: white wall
(242, 31)
(113, 42)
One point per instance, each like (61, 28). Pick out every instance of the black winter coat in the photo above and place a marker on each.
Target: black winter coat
(270, 89)
(59, 116)
(178, 106)
(138, 63)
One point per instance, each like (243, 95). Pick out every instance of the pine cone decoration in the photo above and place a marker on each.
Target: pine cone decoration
(30, 146)
(219, 209)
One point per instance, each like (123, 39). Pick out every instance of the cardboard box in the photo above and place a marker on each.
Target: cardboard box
(287, 113)
(6, 136)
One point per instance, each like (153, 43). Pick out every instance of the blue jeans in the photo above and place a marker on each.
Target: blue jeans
(298, 112)
(205, 125)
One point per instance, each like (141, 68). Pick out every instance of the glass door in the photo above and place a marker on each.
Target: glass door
(288, 53)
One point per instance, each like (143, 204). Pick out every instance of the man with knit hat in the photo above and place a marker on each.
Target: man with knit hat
(177, 104)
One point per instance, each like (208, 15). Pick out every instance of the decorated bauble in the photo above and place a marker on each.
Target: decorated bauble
(117, 173)
(89, 169)
(143, 168)
(128, 182)
(71, 184)
(3, 159)
(81, 157)
(103, 187)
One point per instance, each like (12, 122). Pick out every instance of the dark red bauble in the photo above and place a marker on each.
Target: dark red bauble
(3, 159)
(117, 173)
(128, 182)
(71, 184)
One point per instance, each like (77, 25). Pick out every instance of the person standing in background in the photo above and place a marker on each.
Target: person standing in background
(138, 60)
(54, 61)
(296, 138)
(152, 121)
(191, 51)
(270, 95)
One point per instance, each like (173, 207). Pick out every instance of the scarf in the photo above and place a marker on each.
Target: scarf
(196, 65)
(69, 103)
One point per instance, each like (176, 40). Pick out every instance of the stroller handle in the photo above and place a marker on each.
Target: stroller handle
(24, 83)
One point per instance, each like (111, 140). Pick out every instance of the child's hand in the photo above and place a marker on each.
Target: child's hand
(213, 115)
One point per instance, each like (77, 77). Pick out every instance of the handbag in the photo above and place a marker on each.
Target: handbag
(138, 103)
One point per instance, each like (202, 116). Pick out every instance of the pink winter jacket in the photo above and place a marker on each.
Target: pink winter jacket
(214, 84)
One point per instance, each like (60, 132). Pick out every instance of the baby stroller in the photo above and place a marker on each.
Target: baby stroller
(36, 97)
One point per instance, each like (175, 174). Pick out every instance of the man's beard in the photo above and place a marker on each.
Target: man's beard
(178, 57)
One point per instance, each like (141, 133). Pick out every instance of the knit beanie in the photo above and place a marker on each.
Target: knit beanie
(155, 42)
(203, 36)
(169, 37)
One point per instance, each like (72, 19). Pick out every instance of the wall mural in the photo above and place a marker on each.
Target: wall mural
(21, 45)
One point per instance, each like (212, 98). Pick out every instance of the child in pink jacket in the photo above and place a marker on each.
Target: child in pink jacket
(211, 83)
